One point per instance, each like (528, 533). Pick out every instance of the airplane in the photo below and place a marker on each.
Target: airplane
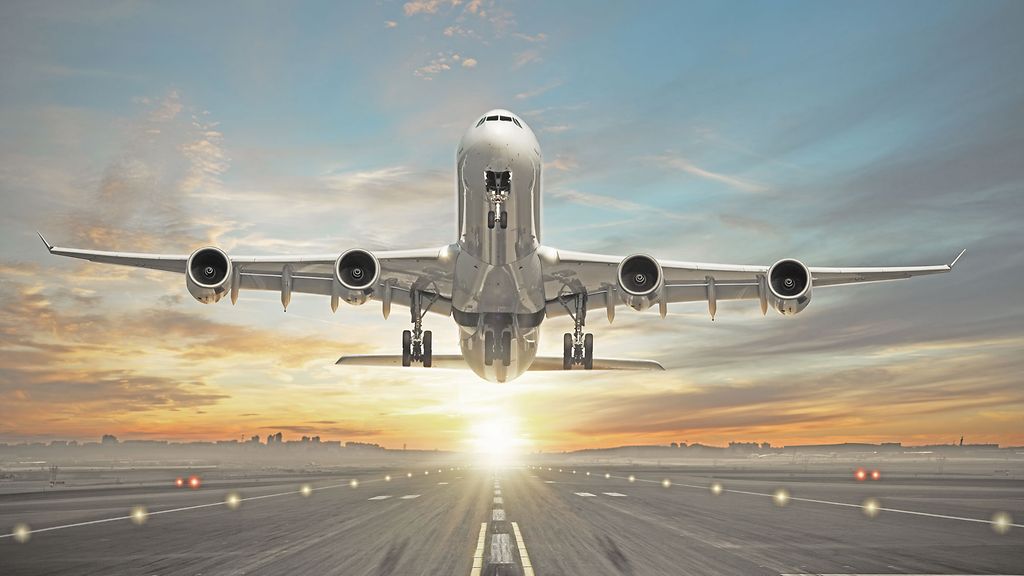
(497, 280)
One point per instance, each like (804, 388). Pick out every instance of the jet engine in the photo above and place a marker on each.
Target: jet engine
(640, 281)
(208, 274)
(789, 286)
(356, 271)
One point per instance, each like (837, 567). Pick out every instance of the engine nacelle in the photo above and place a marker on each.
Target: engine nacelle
(208, 274)
(356, 272)
(641, 281)
(789, 286)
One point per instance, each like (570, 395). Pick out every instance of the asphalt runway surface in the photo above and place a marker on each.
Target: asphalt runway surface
(523, 521)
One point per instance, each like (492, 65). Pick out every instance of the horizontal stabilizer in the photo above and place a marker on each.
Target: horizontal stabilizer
(553, 363)
(455, 361)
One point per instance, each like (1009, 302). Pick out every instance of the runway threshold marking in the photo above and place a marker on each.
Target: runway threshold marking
(478, 555)
(832, 503)
(523, 554)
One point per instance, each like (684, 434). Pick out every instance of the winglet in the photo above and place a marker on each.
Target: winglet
(955, 260)
(49, 247)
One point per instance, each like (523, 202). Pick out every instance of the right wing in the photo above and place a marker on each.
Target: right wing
(595, 275)
(428, 271)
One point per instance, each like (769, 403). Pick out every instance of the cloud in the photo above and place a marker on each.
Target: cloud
(469, 63)
(537, 91)
(523, 58)
(421, 7)
(684, 165)
(539, 37)
(555, 129)
(390, 24)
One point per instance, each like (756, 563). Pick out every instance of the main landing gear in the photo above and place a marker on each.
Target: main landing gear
(499, 186)
(417, 344)
(577, 348)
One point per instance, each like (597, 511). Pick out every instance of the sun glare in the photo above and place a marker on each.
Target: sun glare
(496, 441)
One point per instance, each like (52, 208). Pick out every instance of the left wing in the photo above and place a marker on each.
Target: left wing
(428, 271)
(568, 274)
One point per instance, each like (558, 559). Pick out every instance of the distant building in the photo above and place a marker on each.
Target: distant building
(108, 439)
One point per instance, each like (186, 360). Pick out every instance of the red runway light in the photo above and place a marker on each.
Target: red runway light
(860, 474)
(875, 475)
(179, 482)
(193, 482)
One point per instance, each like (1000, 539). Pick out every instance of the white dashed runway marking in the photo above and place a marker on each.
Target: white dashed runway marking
(614, 494)
(410, 496)
(584, 494)
(382, 497)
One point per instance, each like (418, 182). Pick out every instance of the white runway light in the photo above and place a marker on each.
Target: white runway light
(666, 483)
(22, 533)
(1001, 522)
(387, 478)
(139, 515)
(233, 501)
(408, 474)
(781, 497)
(716, 489)
(632, 478)
(871, 507)
(306, 490)
(607, 476)
(354, 483)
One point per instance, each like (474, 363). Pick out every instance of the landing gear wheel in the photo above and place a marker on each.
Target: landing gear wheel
(488, 348)
(406, 348)
(506, 348)
(588, 352)
(428, 358)
(566, 351)
(504, 220)
(490, 219)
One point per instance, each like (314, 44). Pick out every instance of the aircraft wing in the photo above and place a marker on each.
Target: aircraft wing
(427, 270)
(571, 273)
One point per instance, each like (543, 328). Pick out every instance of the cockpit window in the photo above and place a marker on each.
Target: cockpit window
(505, 119)
(492, 118)
(517, 123)
(481, 121)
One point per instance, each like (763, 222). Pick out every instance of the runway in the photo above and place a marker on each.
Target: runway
(523, 521)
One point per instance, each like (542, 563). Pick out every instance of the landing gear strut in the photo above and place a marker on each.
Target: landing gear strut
(417, 344)
(499, 186)
(577, 348)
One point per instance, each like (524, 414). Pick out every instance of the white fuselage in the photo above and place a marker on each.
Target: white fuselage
(498, 294)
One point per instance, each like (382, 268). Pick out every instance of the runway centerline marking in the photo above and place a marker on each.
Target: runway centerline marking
(381, 497)
(523, 554)
(410, 496)
(833, 503)
(584, 494)
(614, 494)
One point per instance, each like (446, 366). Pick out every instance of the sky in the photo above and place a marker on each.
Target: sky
(866, 133)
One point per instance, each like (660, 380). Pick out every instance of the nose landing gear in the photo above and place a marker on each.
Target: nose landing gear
(417, 344)
(499, 186)
(577, 347)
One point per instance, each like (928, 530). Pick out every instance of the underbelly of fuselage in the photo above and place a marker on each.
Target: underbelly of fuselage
(499, 309)
(499, 346)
